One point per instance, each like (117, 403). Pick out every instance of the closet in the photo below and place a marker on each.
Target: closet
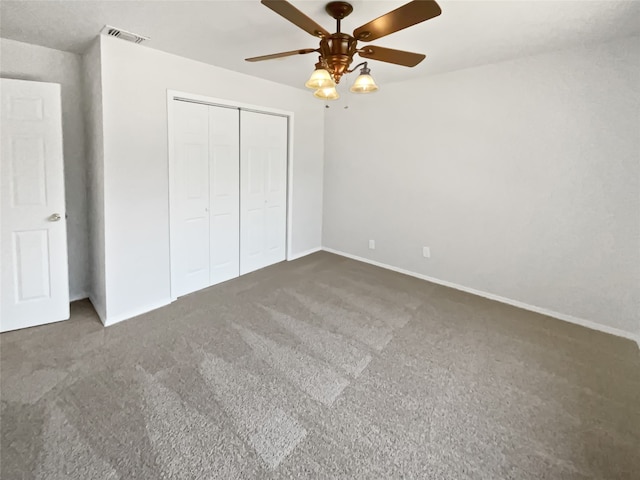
(228, 193)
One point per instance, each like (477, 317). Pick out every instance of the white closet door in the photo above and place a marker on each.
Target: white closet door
(263, 190)
(224, 162)
(191, 198)
(33, 238)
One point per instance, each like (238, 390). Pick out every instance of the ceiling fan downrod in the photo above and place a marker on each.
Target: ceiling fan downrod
(339, 10)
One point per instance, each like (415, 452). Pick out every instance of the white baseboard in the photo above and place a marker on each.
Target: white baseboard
(525, 306)
(296, 256)
(112, 320)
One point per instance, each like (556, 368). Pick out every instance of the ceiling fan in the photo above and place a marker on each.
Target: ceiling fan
(337, 49)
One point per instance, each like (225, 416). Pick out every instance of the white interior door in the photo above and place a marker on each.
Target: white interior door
(224, 181)
(33, 237)
(190, 198)
(263, 190)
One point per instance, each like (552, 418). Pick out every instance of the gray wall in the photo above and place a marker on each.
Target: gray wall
(32, 62)
(523, 177)
(92, 109)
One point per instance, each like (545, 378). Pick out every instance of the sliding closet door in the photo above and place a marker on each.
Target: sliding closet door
(263, 190)
(224, 181)
(190, 198)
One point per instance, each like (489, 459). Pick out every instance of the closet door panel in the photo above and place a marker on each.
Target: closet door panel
(191, 197)
(276, 192)
(224, 181)
(253, 205)
(263, 190)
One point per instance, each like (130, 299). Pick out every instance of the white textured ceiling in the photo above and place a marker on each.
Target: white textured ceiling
(223, 33)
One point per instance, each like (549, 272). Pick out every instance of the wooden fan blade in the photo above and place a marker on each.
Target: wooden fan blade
(389, 55)
(295, 16)
(402, 17)
(280, 55)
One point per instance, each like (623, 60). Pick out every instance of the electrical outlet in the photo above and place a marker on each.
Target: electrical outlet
(426, 252)
(372, 244)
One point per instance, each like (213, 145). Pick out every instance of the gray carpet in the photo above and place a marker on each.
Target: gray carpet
(320, 368)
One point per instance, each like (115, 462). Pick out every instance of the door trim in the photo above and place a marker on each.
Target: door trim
(176, 95)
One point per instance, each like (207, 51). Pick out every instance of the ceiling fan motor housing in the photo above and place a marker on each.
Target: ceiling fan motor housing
(338, 51)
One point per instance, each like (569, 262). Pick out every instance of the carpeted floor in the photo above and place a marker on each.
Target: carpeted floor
(320, 368)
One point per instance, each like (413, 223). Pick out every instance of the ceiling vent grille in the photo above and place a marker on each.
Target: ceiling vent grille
(123, 34)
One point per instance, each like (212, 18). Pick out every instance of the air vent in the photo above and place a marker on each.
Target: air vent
(123, 34)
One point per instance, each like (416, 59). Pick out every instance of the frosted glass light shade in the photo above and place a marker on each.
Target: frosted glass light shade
(364, 84)
(320, 78)
(327, 93)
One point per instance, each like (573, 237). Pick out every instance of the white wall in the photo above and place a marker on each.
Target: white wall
(135, 80)
(523, 177)
(32, 62)
(92, 109)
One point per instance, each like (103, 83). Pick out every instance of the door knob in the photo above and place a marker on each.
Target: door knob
(55, 217)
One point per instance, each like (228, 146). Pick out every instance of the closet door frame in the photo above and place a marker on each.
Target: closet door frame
(176, 95)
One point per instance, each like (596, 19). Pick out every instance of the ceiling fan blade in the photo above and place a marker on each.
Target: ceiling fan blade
(295, 16)
(389, 55)
(280, 55)
(402, 17)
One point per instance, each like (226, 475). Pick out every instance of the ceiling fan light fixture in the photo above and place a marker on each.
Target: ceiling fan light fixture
(364, 83)
(320, 78)
(327, 93)
(337, 49)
